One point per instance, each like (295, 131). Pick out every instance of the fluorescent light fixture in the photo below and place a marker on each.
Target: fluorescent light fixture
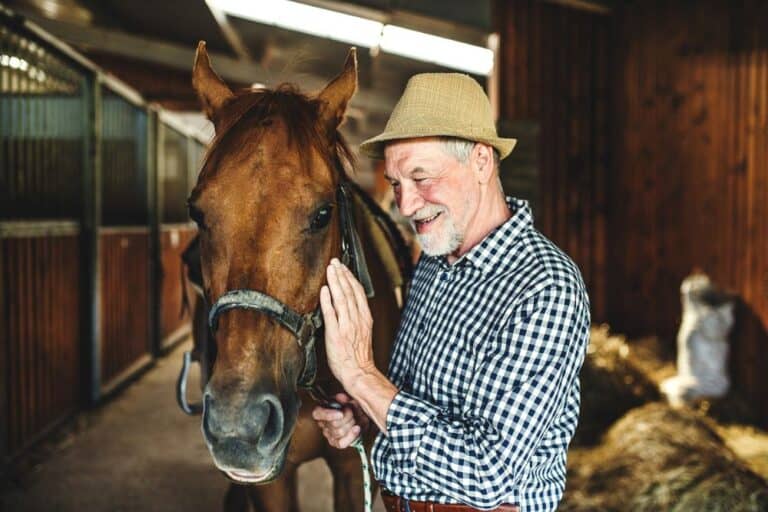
(361, 32)
(305, 18)
(440, 50)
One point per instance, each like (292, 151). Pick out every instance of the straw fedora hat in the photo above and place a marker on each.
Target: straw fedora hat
(440, 104)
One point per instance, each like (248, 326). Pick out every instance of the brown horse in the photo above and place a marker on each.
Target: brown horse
(269, 212)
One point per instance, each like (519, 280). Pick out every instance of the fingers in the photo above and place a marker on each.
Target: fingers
(348, 294)
(342, 398)
(330, 320)
(358, 292)
(348, 438)
(344, 301)
(338, 427)
(326, 414)
(333, 418)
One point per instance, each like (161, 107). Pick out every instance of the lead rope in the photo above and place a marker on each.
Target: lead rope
(319, 395)
(368, 502)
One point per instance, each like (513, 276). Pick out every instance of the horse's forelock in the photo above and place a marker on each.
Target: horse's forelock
(300, 115)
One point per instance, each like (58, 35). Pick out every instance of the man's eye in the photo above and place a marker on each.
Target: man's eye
(321, 218)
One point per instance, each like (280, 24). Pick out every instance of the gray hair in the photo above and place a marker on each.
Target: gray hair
(462, 148)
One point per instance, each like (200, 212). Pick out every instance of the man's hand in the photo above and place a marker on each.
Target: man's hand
(348, 325)
(342, 427)
(349, 346)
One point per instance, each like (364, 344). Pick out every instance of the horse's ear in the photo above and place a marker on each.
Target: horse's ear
(210, 88)
(337, 94)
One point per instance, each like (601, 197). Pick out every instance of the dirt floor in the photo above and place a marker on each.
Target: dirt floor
(138, 453)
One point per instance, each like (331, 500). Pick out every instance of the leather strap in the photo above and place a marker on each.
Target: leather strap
(394, 503)
(351, 248)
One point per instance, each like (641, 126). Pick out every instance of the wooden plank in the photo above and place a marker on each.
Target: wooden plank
(35, 294)
(4, 353)
(125, 314)
(174, 241)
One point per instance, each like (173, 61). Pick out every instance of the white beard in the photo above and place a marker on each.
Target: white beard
(442, 241)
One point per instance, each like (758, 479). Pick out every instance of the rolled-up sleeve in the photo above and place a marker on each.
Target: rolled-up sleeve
(522, 382)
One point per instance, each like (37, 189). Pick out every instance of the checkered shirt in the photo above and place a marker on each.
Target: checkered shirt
(487, 360)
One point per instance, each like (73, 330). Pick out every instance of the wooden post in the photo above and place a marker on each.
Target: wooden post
(154, 155)
(4, 344)
(91, 219)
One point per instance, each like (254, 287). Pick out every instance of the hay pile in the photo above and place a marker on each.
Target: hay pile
(657, 458)
(613, 381)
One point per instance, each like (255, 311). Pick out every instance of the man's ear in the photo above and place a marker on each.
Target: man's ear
(210, 88)
(336, 95)
(482, 162)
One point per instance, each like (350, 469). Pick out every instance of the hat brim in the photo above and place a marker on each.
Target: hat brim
(374, 147)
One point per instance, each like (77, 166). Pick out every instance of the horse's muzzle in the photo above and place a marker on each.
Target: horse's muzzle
(247, 441)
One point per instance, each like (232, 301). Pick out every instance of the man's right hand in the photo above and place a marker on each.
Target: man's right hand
(341, 427)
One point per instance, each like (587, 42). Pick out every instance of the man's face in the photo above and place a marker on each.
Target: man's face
(437, 193)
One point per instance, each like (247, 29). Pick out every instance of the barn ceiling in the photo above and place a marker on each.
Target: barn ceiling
(150, 45)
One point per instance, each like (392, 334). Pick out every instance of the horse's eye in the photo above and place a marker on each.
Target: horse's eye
(196, 215)
(321, 218)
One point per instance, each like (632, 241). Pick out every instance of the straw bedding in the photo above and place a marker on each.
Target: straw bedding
(651, 457)
(658, 458)
(612, 383)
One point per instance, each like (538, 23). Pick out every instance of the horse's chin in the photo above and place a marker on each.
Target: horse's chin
(265, 476)
(244, 477)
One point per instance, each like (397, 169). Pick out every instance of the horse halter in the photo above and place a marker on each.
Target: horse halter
(306, 328)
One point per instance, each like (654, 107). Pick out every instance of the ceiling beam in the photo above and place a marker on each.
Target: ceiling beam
(229, 32)
(598, 7)
(182, 57)
(409, 19)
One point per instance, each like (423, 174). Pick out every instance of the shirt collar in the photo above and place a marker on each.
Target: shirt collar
(494, 248)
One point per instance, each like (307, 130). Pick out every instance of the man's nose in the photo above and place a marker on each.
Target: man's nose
(409, 201)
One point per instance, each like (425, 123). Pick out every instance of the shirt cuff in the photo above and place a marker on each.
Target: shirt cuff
(407, 420)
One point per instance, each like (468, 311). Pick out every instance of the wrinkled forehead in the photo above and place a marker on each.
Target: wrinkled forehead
(408, 157)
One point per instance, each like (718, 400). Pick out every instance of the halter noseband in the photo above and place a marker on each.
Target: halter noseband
(305, 328)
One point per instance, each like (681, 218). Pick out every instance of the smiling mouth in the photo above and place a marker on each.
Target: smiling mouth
(422, 223)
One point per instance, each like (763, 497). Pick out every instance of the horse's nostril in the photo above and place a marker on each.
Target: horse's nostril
(273, 423)
(260, 422)
(209, 425)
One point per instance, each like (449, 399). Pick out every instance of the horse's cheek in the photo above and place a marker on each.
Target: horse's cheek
(309, 254)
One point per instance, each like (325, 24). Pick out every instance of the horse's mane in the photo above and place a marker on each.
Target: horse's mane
(301, 115)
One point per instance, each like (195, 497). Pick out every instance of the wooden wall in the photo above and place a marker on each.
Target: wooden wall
(555, 73)
(40, 336)
(125, 292)
(173, 240)
(653, 155)
(690, 181)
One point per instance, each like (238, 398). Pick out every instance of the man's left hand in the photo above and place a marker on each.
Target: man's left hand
(348, 324)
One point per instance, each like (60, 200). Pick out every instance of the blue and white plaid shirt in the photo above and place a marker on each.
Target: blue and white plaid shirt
(487, 360)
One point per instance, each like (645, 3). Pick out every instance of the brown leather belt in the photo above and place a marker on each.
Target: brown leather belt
(394, 503)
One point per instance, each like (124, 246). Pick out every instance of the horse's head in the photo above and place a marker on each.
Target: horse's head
(266, 207)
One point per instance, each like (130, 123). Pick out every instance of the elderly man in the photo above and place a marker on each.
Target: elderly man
(482, 393)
